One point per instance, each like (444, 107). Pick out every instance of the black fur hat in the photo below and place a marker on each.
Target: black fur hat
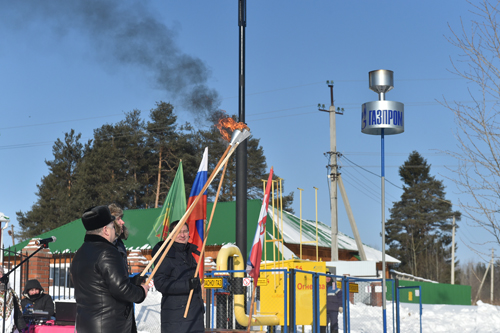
(97, 217)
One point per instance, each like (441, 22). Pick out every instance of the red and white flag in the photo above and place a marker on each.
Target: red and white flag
(253, 263)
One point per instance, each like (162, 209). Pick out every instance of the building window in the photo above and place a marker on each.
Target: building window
(60, 276)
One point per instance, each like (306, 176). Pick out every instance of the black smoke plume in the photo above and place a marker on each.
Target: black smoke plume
(126, 33)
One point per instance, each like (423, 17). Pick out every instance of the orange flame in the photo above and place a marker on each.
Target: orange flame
(228, 125)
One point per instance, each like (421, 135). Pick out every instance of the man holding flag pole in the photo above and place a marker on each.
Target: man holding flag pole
(253, 263)
(174, 276)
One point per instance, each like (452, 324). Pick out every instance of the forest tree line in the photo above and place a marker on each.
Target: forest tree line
(132, 163)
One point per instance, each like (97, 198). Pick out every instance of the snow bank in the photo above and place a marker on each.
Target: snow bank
(483, 318)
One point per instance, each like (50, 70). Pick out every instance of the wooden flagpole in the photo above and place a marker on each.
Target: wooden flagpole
(188, 212)
(252, 302)
(181, 223)
(205, 240)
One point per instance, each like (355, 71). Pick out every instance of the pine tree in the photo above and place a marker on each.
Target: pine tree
(56, 192)
(169, 143)
(419, 230)
(132, 164)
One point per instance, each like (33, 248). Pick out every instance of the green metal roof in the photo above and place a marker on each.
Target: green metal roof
(140, 222)
(223, 230)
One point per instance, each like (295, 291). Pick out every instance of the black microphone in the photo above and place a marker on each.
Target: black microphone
(45, 241)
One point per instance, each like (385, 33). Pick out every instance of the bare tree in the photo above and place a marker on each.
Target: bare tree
(478, 131)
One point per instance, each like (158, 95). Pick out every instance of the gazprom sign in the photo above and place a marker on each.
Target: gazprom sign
(378, 115)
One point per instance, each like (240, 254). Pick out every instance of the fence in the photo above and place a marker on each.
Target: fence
(286, 300)
(302, 308)
(18, 277)
(58, 281)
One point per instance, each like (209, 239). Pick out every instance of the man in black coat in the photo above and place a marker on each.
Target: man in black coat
(175, 279)
(103, 290)
(35, 298)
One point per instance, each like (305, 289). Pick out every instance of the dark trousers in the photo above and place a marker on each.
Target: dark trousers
(332, 319)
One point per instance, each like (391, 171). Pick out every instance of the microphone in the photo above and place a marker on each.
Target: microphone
(45, 241)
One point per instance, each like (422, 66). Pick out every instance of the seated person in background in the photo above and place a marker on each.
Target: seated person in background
(36, 299)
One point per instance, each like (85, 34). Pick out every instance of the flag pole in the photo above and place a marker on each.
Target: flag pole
(252, 302)
(177, 229)
(255, 257)
(202, 252)
(188, 212)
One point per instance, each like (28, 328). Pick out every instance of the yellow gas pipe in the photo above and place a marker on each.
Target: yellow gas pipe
(230, 250)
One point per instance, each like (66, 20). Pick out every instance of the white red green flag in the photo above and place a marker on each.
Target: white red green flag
(253, 263)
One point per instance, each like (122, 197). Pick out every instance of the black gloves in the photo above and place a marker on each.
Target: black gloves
(138, 279)
(194, 283)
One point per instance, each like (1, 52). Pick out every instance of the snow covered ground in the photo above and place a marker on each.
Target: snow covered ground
(435, 318)
(483, 318)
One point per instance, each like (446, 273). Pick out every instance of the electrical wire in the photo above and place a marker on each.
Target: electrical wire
(337, 81)
(373, 173)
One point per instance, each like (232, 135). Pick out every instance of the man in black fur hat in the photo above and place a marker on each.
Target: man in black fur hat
(104, 293)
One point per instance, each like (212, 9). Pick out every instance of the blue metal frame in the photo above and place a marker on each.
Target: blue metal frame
(351, 279)
(285, 313)
(316, 326)
(393, 308)
(419, 300)
(317, 312)
(345, 300)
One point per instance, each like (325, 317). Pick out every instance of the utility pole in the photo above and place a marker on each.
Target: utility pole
(333, 173)
(453, 253)
(484, 279)
(350, 216)
(492, 273)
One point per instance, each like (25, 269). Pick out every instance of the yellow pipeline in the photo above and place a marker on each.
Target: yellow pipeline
(230, 250)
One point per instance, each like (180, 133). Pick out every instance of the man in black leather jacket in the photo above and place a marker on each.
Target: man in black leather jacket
(103, 290)
(175, 279)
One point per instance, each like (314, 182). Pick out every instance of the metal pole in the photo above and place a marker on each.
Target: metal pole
(241, 151)
(316, 204)
(383, 237)
(453, 253)
(300, 218)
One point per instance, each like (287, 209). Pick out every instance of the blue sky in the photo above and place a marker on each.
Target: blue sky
(58, 74)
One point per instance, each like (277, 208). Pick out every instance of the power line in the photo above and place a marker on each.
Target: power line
(60, 122)
(337, 81)
(376, 187)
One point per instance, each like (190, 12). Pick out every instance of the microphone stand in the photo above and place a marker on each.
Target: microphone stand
(5, 280)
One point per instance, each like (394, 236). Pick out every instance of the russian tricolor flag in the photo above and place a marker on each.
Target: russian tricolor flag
(253, 262)
(196, 221)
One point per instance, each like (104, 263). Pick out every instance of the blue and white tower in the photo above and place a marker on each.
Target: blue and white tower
(382, 118)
